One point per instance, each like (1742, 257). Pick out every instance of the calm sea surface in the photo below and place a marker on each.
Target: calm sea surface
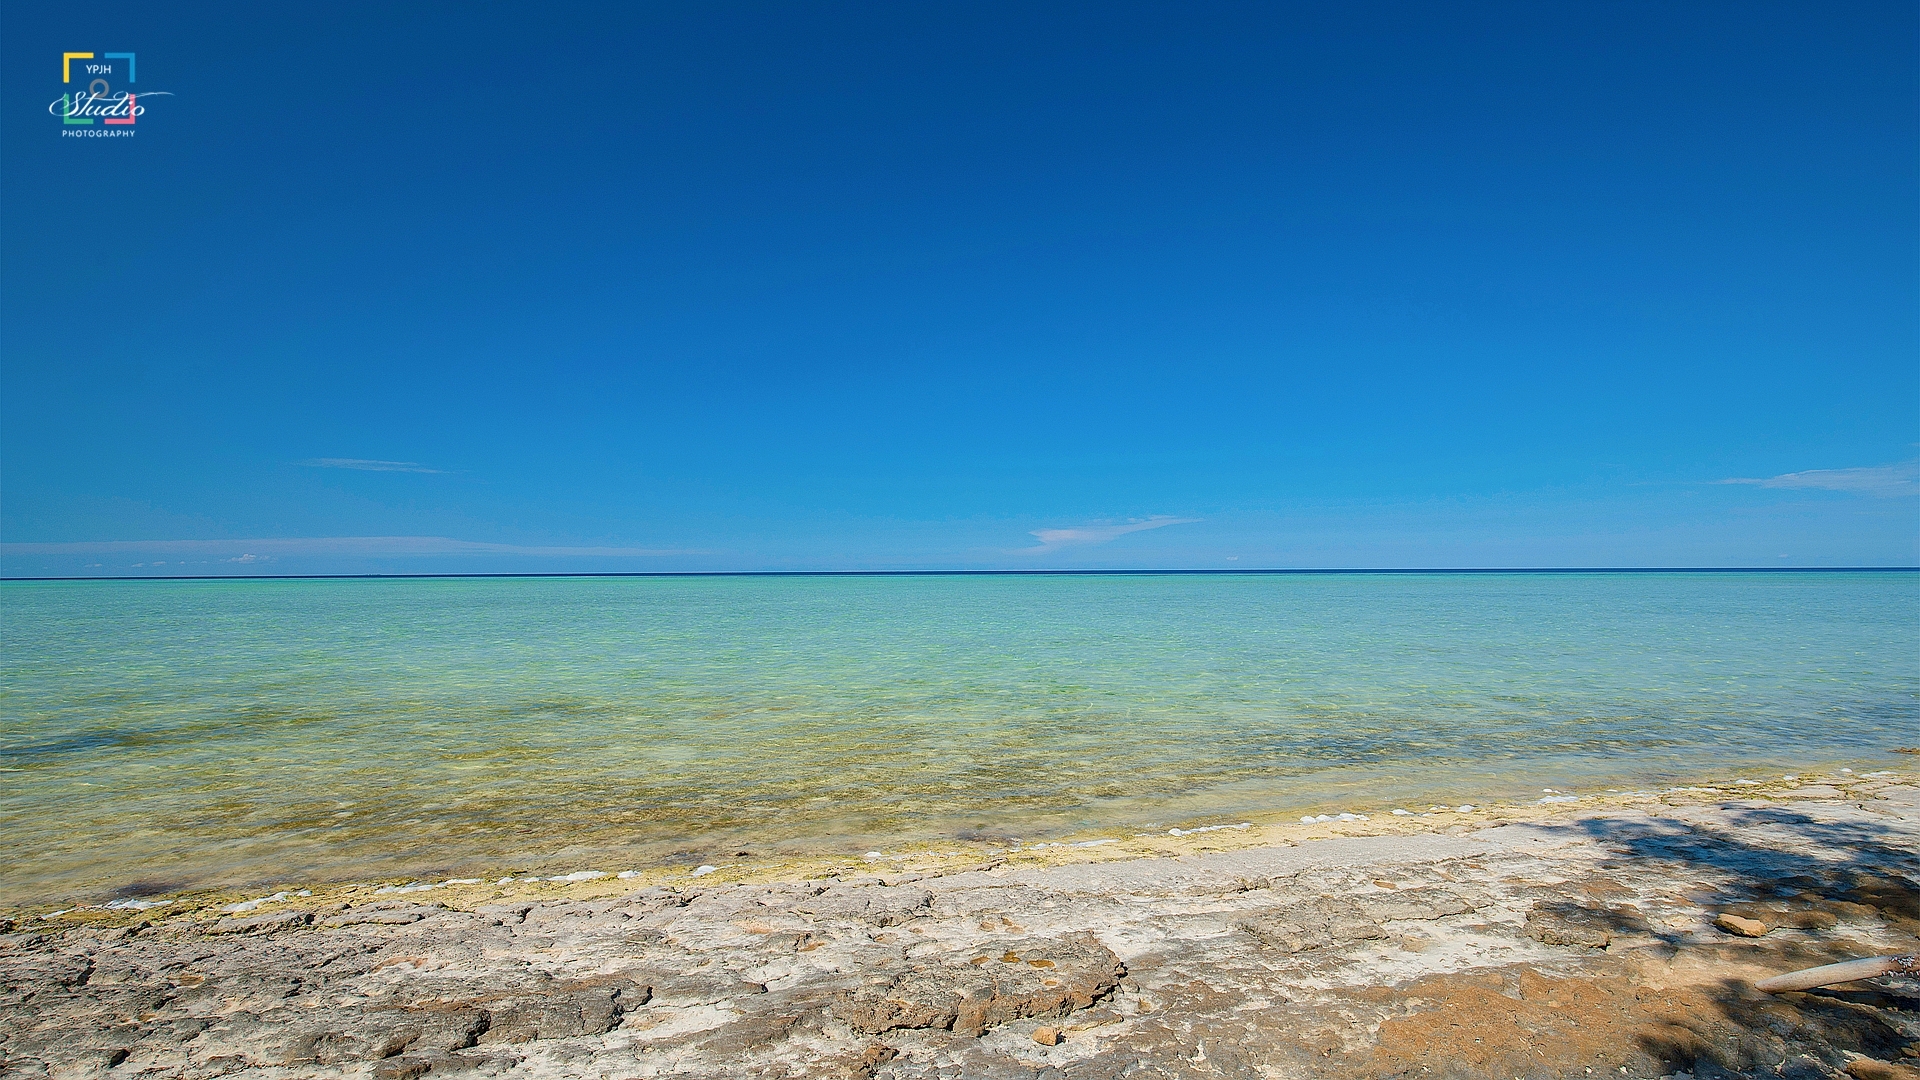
(193, 733)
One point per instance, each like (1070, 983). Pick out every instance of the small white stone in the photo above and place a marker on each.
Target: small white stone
(1403, 813)
(702, 871)
(1467, 809)
(625, 874)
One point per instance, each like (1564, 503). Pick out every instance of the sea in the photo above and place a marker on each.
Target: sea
(164, 735)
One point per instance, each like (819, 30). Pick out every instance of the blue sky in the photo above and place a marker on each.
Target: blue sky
(822, 286)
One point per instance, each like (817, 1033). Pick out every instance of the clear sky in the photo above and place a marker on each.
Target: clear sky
(491, 287)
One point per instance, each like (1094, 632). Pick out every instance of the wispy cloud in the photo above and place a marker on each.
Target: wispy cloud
(1882, 480)
(368, 465)
(1084, 535)
(268, 548)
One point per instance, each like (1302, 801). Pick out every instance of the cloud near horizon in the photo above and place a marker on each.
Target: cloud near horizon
(1084, 535)
(271, 547)
(368, 465)
(1882, 480)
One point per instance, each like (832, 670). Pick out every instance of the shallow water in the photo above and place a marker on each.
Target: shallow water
(173, 734)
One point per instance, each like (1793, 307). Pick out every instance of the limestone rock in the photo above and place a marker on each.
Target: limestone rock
(361, 917)
(1745, 927)
(1309, 924)
(1824, 915)
(402, 1068)
(867, 1063)
(444, 1029)
(512, 914)
(1043, 978)
(1566, 923)
(1866, 1068)
(1324, 921)
(262, 924)
(1412, 904)
(585, 1012)
(877, 904)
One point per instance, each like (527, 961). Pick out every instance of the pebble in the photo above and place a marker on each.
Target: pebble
(1745, 927)
(1047, 1036)
(702, 871)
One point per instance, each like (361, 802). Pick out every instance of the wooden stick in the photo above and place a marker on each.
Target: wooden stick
(1828, 974)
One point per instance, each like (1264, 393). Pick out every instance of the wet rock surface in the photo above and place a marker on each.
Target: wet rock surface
(1584, 946)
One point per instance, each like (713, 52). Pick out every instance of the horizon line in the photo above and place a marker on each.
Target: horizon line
(1031, 572)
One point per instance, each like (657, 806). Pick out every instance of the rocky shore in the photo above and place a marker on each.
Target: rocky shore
(1602, 938)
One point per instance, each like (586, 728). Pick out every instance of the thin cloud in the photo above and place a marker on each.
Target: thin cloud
(1085, 535)
(368, 465)
(280, 547)
(1881, 480)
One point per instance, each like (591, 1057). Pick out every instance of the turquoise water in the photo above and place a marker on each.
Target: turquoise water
(223, 732)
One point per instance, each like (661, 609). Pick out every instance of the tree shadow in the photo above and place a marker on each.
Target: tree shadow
(1832, 880)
